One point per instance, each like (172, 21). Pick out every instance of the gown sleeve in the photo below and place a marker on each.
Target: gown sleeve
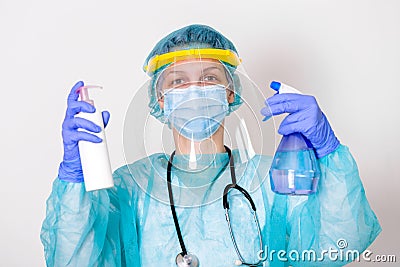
(337, 222)
(84, 228)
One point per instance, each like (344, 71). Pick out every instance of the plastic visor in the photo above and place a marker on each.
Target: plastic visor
(223, 55)
(150, 138)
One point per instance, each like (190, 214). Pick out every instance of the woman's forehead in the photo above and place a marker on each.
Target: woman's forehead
(196, 65)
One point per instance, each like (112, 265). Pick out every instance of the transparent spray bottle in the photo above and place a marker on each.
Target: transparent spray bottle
(95, 160)
(294, 169)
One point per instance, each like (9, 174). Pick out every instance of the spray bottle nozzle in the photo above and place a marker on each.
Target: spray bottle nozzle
(275, 85)
(84, 93)
(282, 88)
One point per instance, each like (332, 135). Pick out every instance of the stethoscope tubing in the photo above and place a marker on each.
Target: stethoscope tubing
(225, 203)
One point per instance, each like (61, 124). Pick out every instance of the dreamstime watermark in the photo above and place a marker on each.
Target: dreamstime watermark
(339, 253)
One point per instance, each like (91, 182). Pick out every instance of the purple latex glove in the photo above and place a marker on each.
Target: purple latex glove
(304, 117)
(70, 168)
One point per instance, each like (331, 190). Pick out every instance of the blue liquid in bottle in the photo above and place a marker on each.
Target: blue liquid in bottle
(294, 169)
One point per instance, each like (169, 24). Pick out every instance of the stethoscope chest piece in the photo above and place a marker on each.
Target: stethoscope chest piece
(187, 260)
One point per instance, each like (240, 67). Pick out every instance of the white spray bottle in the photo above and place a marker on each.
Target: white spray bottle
(95, 160)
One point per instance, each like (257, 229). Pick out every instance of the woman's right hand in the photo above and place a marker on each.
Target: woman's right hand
(70, 168)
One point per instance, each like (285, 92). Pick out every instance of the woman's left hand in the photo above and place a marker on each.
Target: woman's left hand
(304, 117)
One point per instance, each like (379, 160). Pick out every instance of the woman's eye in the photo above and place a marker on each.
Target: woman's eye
(177, 81)
(209, 78)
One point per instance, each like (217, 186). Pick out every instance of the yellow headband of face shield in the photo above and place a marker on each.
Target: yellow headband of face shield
(223, 55)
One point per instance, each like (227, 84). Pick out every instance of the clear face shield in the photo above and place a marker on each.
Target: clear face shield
(201, 100)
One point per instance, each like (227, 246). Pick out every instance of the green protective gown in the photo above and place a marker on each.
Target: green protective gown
(132, 225)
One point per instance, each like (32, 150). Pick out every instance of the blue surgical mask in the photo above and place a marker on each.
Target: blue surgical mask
(196, 112)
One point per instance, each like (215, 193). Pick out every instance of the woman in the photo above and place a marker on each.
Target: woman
(166, 210)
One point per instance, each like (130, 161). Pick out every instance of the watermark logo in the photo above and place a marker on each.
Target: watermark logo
(339, 253)
(341, 243)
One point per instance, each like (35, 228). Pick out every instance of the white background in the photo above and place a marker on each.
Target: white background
(346, 53)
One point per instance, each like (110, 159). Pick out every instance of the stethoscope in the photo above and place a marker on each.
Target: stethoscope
(189, 259)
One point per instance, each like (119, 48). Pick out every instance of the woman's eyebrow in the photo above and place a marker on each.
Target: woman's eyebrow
(184, 72)
(174, 72)
(212, 68)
